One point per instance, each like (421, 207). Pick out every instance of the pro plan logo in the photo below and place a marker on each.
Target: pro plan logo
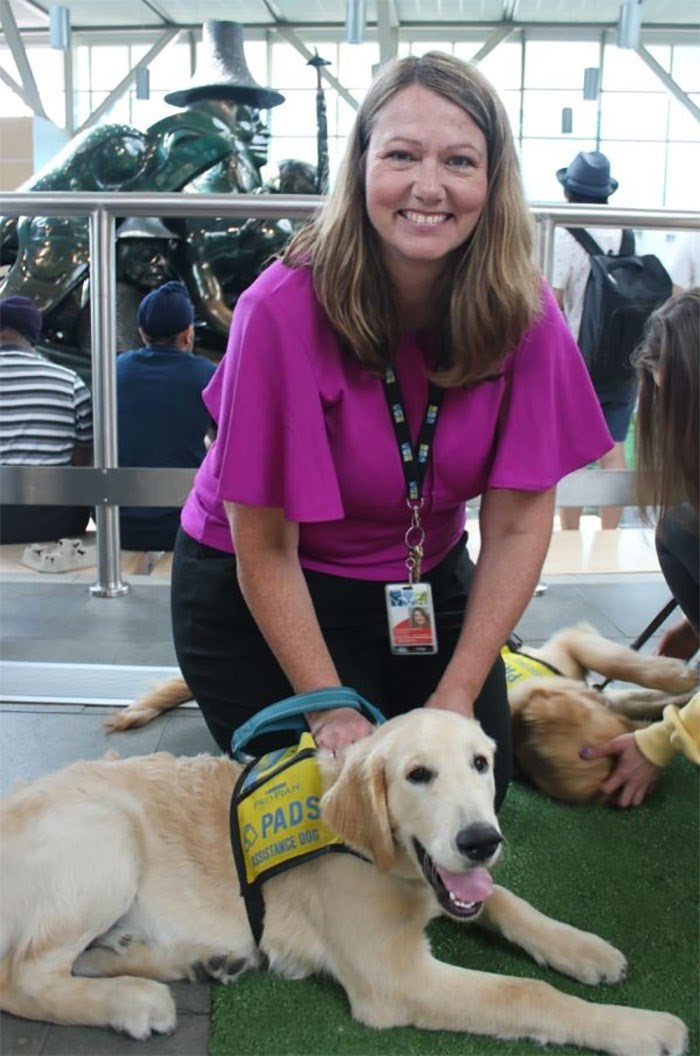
(249, 836)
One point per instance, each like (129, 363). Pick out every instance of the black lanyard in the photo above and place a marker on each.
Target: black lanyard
(414, 461)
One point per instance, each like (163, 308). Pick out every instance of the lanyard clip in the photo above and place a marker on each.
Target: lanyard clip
(414, 538)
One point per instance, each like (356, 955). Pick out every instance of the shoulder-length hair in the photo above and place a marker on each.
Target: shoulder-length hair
(667, 431)
(495, 288)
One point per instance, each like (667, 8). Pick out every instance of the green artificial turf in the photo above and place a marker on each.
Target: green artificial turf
(630, 876)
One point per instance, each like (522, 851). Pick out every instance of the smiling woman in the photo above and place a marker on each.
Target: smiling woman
(403, 358)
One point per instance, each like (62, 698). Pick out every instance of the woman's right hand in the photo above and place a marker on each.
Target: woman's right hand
(337, 729)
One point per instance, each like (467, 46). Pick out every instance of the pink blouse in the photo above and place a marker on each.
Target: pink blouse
(302, 426)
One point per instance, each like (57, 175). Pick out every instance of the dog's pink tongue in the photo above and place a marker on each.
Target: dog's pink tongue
(474, 886)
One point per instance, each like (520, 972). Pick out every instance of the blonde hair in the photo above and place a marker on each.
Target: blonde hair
(495, 289)
(667, 430)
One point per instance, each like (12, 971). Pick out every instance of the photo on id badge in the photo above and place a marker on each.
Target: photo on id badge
(411, 618)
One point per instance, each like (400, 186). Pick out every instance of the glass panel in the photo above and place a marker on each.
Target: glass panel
(639, 168)
(347, 115)
(301, 147)
(256, 57)
(624, 71)
(355, 63)
(626, 115)
(540, 159)
(686, 67)
(682, 176)
(558, 64)
(512, 102)
(298, 112)
(681, 123)
(542, 113)
(285, 62)
(419, 47)
(171, 69)
(10, 103)
(109, 66)
(502, 65)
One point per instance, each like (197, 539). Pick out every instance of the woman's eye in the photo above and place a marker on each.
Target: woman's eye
(420, 775)
(460, 161)
(399, 155)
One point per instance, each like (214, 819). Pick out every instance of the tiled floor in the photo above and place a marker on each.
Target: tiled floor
(55, 635)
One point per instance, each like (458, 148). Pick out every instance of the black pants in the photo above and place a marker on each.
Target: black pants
(41, 524)
(678, 550)
(233, 673)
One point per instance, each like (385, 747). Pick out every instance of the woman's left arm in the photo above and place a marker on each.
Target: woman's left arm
(516, 528)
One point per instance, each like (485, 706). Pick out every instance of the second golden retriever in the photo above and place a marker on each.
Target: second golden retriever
(117, 876)
(555, 713)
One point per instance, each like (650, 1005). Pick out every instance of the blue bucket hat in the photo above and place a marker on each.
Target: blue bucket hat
(588, 174)
(166, 310)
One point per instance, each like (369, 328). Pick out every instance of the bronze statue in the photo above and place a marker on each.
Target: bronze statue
(216, 144)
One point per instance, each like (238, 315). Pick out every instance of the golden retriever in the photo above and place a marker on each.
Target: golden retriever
(554, 714)
(117, 876)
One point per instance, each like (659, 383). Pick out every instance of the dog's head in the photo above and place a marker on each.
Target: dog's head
(417, 796)
(552, 720)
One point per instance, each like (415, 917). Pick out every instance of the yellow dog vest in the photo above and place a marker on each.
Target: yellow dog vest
(276, 821)
(520, 667)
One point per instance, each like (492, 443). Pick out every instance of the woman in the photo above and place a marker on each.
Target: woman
(421, 259)
(668, 463)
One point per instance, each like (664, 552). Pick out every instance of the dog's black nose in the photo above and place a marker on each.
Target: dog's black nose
(478, 842)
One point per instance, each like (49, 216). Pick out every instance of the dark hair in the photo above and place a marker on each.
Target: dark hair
(668, 417)
(495, 292)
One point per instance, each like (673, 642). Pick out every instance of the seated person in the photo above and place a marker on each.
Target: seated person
(162, 420)
(45, 420)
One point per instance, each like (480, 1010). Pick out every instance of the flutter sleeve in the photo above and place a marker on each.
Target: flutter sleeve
(551, 422)
(272, 447)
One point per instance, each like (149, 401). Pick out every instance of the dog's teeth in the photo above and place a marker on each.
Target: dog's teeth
(458, 902)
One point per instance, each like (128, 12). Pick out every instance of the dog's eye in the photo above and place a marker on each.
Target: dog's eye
(481, 764)
(420, 775)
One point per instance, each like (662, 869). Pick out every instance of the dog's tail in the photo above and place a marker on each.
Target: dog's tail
(147, 708)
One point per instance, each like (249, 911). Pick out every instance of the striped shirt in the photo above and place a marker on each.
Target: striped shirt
(45, 410)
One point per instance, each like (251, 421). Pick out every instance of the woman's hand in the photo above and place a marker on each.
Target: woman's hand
(679, 641)
(452, 700)
(337, 729)
(633, 777)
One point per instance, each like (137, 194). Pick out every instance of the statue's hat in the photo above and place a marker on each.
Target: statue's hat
(222, 72)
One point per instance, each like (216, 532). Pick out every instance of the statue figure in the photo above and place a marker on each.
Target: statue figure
(218, 144)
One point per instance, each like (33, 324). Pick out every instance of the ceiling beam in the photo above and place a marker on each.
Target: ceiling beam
(493, 41)
(291, 37)
(124, 84)
(666, 79)
(30, 92)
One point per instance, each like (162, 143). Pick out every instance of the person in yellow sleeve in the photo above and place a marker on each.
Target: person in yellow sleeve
(642, 755)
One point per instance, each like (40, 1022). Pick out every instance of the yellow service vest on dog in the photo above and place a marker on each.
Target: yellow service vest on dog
(520, 667)
(276, 821)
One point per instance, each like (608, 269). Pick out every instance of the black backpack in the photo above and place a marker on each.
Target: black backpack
(622, 291)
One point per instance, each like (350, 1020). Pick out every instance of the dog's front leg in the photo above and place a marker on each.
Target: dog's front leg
(438, 996)
(580, 954)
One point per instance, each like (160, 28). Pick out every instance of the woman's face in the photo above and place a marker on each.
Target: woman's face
(426, 180)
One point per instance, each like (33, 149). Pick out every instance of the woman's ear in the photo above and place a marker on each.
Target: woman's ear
(355, 806)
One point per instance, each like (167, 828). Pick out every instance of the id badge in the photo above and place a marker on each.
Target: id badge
(411, 618)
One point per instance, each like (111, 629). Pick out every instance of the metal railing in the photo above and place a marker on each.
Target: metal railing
(106, 486)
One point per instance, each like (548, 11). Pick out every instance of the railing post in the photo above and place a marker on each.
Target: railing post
(104, 395)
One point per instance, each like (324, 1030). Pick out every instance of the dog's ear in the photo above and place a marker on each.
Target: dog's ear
(355, 807)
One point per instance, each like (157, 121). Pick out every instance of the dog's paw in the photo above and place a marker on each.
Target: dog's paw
(678, 677)
(142, 1007)
(642, 1033)
(590, 959)
(223, 968)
